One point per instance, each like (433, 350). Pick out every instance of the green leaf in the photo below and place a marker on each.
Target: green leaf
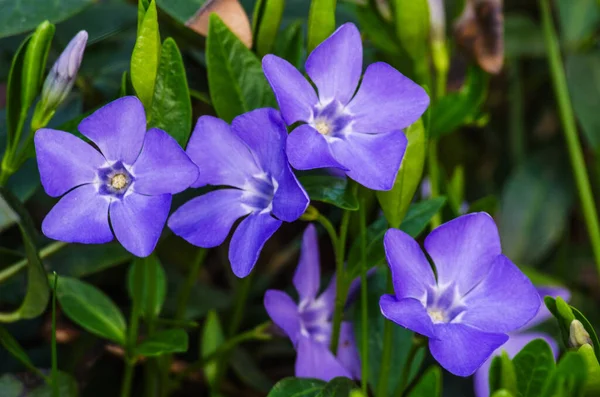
(395, 202)
(11, 386)
(455, 189)
(235, 77)
(91, 309)
(181, 10)
(540, 186)
(419, 215)
(412, 26)
(16, 111)
(569, 378)
(297, 387)
(23, 15)
(145, 57)
(487, 204)
(289, 44)
(148, 309)
(522, 37)
(377, 31)
(212, 338)
(246, 367)
(268, 25)
(172, 105)
(502, 393)
(401, 339)
(578, 20)
(82, 260)
(564, 310)
(330, 189)
(583, 78)
(38, 290)
(534, 365)
(34, 64)
(430, 384)
(163, 342)
(502, 374)
(14, 348)
(67, 387)
(458, 108)
(321, 22)
(593, 370)
(337, 387)
(563, 326)
(589, 328)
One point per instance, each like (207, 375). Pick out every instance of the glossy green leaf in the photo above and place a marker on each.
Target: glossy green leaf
(412, 26)
(430, 384)
(24, 15)
(502, 374)
(81, 260)
(212, 338)
(146, 266)
(289, 44)
(145, 57)
(563, 326)
(163, 342)
(337, 387)
(458, 108)
(297, 387)
(402, 338)
(14, 348)
(16, 111)
(268, 25)
(11, 386)
(38, 290)
(502, 393)
(534, 365)
(569, 378)
(34, 64)
(395, 202)
(419, 215)
(592, 385)
(89, 307)
(330, 189)
(377, 31)
(235, 77)
(321, 21)
(583, 78)
(540, 186)
(172, 105)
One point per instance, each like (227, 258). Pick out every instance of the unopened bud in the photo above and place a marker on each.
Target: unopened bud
(62, 76)
(578, 336)
(437, 20)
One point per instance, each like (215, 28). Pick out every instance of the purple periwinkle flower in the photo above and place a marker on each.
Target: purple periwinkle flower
(131, 178)
(249, 158)
(474, 298)
(62, 76)
(308, 323)
(359, 133)
(519, 339)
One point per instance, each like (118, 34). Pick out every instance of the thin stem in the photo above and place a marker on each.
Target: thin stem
(386, 355)
(22, 264)
(132, 336)
(152, 276)
(55, 388)
(517, 132)
(329, 228)
(190, 281)
(412, 354)
(127, 377)
(364, 314)
(570, 130)
(434, 178)
(240, 305)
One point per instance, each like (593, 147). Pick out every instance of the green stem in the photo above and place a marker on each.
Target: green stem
(190, 281)
(434, 178)
(132, 336)
(127, 377)
(329, 228)
(570, 130)
(240, 305)
(412, 354)
(55, 388)
(364, 313)
(386, 355)
(517, 133)
(22, 264)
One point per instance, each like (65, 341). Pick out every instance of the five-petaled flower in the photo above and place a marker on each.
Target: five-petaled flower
(249, 157)
(132, 178)
(308, 323)
(358, 133)
(519, 339)
(478, 296)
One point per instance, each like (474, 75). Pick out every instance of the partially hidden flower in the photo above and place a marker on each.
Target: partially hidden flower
(62, 76)
(478, 296)
(248, 158)
(308, 323)
(519, 339)
(359, 133)
(130, 179)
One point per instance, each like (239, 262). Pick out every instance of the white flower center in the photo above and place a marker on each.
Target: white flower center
(323, 127)
(118, 181)
(437, 316)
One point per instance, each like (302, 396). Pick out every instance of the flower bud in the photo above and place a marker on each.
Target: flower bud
(62, 76)
(578, 336)
(437, 20)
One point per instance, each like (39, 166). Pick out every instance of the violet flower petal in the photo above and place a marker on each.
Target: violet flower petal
(295, 95)
(138, 220)
(81, 216)
(409, 313)
(514, 345)
(221, 156)
(463, 250)
(248, 240)
(65, 161)
(327, 297)
(373, 160)
(411, 272)
(307, 149)
(162, 166)
(462, 349)
(205, 221)
(117, 128)
(314, 360)
(544, 314)
(307, 278)
(284, 313)
(347, 352)
(503, 301)
(386, 101)
(335, 65)
(290, 200)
